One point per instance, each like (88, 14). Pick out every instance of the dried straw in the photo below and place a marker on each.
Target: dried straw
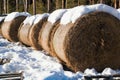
(93, 41)
(34, 33)
(10, 28)
(23, 33)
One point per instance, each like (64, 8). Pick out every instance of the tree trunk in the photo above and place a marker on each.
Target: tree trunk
(7, 6)
(1, 7)
(93, 2)
(115, 4)
(119, 3)
(5, 9)
(34, 7)
(48, 5)
(101, 1)
(57, 4)
(17, 7)
(26, 5)
(63, 4)
(90, 2)
(78, 2)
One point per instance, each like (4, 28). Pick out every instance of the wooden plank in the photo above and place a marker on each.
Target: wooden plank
(107, 77)
(12, 76)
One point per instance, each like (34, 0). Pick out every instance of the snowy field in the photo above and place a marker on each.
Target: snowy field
(37, 65)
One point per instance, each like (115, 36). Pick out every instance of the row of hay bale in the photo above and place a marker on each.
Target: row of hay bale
(81, 37)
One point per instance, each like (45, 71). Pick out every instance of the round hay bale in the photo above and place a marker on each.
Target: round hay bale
(46, 36)
(51, 35)
(1, 22)
(10, 28)
(93, 41)
(34, 33)
(23, 33)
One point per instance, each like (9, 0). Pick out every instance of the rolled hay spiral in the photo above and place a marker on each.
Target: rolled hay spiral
(34, 33)
(10, 28)
(46, 35)
(93, 41)
(23, 33)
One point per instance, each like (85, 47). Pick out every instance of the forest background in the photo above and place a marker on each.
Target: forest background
(42, 6)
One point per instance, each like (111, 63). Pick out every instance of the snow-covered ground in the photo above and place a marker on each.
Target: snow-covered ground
(37, 65)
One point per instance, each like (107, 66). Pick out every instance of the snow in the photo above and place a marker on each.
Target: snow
(119, 12)
(13, 15)
(73, 14)
(90, 72)
(79, 12)
(109, 71)
(37, 65)
(66, 18)
(40, 16)
(56, 15)
(29, 20)
(1, 18)
(34, 19)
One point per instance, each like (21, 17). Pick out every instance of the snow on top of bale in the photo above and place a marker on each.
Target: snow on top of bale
(109, 9)
(56, 15)
(90, 71)
(29, 20)
(66, 18)
(13, 15)
(73, 14)
(79, 12)
(109, 71)
(1, 18)
(118, 10)
(35, 18)
(119, 13)
(40, 16)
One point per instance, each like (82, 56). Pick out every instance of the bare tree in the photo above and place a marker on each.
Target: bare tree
(101, 1)
(26, 5)
(7, 6)
(57, 4)
(90, 2)
(78, 2)
(17, 7)
(93, 2)
(1, 7)
(48, 5)
(119, 3)
(34, 7)
(115, 3)
(64, 3)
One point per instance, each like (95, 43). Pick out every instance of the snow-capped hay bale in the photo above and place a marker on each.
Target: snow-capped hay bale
(46, 36)
(93, 41)
(34, 33)
(55, 27)
(10, 28)
(23, 33)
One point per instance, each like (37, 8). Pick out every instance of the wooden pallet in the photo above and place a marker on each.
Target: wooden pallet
(11, 76)
(103, 77)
